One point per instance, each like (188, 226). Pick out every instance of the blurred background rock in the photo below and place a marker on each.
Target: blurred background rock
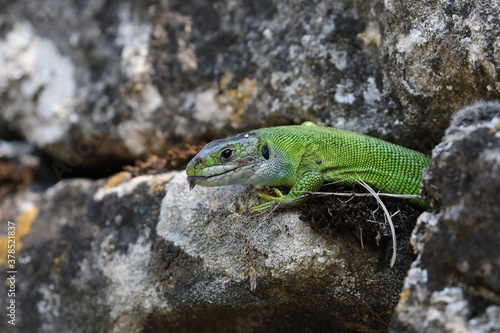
(88, 87)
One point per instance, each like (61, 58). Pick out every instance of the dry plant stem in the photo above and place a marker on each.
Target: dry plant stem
(388, 218)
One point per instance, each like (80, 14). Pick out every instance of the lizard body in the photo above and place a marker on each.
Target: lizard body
(303, 157)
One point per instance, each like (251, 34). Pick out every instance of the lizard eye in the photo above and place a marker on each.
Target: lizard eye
(265, 152)
(226, 154)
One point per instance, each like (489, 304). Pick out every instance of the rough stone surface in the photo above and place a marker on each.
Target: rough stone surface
(148, 75)
(148, 255)
(454, 285)
(91, 84)
(441, 56)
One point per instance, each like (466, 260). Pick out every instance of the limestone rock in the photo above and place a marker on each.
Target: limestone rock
(146, 76)
(454, 285)
(147, 254)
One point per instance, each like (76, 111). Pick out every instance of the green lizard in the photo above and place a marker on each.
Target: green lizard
(302, 158)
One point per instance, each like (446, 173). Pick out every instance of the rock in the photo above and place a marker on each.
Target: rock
(144, 254)
(144, 77)
(18, 166)
(454, 285)
(440, 58)
(147, 254)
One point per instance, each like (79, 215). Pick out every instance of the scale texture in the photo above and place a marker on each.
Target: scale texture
(303, 158)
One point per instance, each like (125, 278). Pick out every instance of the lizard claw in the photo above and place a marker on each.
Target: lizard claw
(279, 196)
(272, 200)
(261, 208)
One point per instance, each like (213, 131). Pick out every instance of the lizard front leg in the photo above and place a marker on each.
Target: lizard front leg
(310, 181)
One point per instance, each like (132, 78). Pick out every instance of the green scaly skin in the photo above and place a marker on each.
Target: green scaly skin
(303, 158)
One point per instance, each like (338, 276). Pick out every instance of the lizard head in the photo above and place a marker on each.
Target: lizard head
(236, 159)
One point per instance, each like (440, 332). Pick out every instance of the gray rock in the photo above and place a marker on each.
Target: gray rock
(94, 82)
(440, 58)
(146, 76)
(454, 285)
(150, 255)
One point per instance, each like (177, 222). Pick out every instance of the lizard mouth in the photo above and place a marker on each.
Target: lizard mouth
(193, 180)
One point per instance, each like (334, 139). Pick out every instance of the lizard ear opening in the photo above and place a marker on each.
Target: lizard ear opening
(265, 152)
